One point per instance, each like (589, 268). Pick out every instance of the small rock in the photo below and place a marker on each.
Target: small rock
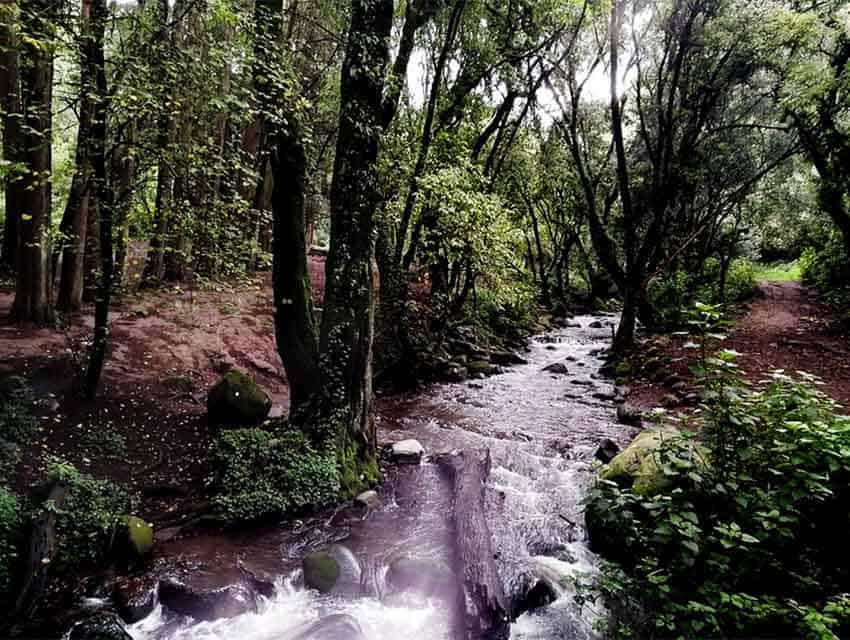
(606, 451)
(557, 367)
(407, 452)
(596, 324)
(630, 415)
(679, 387)
(368, 499)
(605, 396)
(670, 401)
(551, 347)
(691, 399)
(506, 358)
(582, 383)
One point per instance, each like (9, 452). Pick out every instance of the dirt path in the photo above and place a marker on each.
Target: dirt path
(786, 327)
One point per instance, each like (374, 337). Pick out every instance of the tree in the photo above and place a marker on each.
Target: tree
(331, 379)
(10, 102)
(33, 286)
(74, 223)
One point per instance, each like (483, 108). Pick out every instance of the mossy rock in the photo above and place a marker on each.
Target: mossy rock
(134, 538)
(333, 570)
(637, 465)
(321, 571)
(479, 366)
(237, 400)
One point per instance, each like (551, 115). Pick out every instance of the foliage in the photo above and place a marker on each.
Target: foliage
(87, 519)
(748, 545)
(671, 295)
(780, 272)
(10, 525)
(16, 421)
(261, 473)
(827, 268)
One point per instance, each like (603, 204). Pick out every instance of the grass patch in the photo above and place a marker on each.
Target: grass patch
(779, 272)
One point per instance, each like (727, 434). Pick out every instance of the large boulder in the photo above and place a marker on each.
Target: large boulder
(237, 400)
(428, 578)
(637, 466)
(334, 570)
(103, 626)
(338, 626)
(135, 598)
(207, 603)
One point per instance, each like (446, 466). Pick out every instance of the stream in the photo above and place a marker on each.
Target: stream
(542, 430)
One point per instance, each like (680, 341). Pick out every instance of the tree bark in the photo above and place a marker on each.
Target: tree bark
(74, 221)
(33, 291)
(487, 609)
(105, 199)
(10, 102)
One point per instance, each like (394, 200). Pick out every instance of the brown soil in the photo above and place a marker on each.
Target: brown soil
(156, 337)
(787, 328)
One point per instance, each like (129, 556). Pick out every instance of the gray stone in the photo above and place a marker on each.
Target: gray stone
(368, 499)
(103, 626)
(606, 451)
(207, 603)
(407, 452)
(630, 415)
(557, 367)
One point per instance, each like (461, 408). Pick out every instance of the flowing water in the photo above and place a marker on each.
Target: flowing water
(542, 430)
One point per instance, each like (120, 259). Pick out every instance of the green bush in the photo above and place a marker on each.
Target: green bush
(87, 519)
(10, 528)
(504, 311)
(16, 421)
(827, 268)
(671, 295)
(260, 474)
(751, 544)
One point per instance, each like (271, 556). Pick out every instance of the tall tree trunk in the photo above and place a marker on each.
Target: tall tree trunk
(340, 413)
(122, 179)
(10, 103)
(626, 330)
(105, 198)
(32, 291)
(75, 219)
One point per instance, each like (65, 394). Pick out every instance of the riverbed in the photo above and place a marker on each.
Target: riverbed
(542, 429)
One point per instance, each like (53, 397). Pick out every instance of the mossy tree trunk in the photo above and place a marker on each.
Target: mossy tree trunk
(332, 388)
(10, 102)
(105, 198)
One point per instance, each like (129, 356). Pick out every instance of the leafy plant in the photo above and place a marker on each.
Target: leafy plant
(261, 474)
(749, 545)
(10, 525)
(87, 518)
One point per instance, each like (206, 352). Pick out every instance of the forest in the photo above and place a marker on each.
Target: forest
(376, 319)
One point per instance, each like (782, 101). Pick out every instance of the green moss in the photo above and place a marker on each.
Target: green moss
(321, 571)
(261, 474)
(638, 466)
(236, 399)
(358, 469)
(137, 537)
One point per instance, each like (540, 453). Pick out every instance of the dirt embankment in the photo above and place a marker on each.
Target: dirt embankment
(786, 327)
(147, 427)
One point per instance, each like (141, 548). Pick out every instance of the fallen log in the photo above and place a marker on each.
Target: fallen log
(42, 549)
(486, 606)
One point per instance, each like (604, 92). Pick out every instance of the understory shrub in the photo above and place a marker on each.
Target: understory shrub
(505, 311)
(671, 295)
(262, 473)
(88, 517)
(827, 268)
(10, 529)
(750, 541)
(16, 421)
